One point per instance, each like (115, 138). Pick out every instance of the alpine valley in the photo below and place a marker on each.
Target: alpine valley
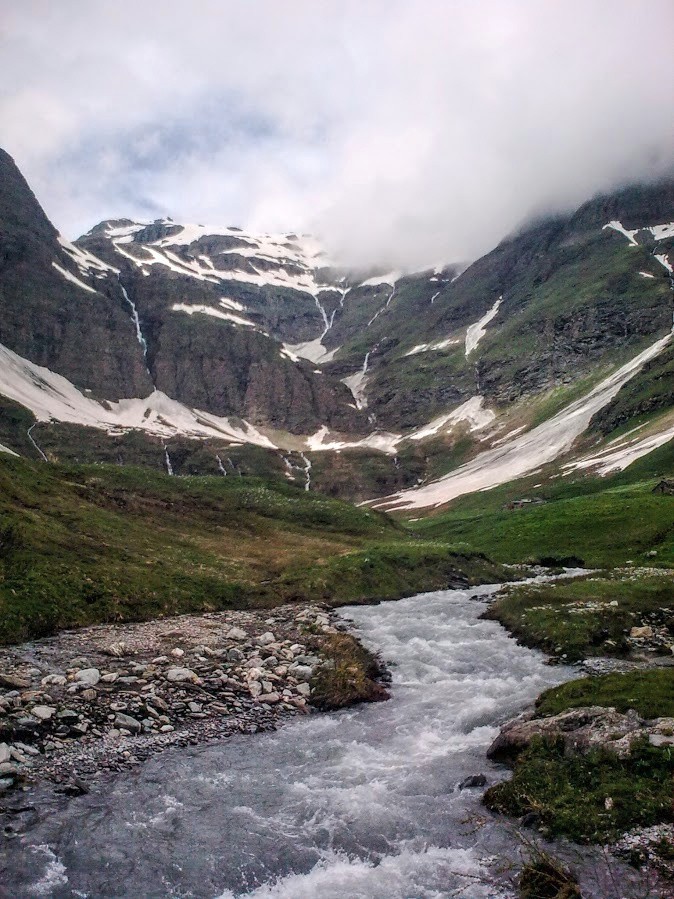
(233, 427)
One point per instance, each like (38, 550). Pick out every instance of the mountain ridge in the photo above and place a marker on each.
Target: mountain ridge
(188, 333)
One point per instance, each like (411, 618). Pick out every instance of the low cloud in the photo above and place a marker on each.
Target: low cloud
(404, 132)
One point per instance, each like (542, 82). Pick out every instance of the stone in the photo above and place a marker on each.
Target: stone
(127, 723)
(177, 653)
(4, 753)
(88, 677)
(266, 638)
(7, 769)
(117, 649)
(302, 672)
(177, 675)
(475, 780)
(43, 712)
(580, 729)
(109, 678)
(271, 698)
(80, 662)
(89, 694)
(68, 716)
(642, 632)
(255, 688)
(303, 689)
(13, 682)
(236, 633)
(56, 680)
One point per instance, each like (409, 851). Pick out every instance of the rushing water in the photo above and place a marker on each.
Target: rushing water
(360, 804)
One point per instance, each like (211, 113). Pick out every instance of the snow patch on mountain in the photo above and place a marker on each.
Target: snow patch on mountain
(471, 411)
(313, 350)
(378, 440)
(621, 452)
(527, 452)
(190, 309)
(357, 383)
(433, 347)
(388, 278)
(87, 263)
(476, 331)
(616, 226)
(72, 278)
(51, 397)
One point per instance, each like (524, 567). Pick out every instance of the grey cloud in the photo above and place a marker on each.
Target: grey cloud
(403, 131)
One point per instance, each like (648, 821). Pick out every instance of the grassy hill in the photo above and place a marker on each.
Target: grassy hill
(86, 544)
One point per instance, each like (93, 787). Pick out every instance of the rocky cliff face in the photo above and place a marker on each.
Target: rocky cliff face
(58, 307)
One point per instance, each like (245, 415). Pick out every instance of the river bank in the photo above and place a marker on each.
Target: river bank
(592, 759)
(380, 800)
(105, 698)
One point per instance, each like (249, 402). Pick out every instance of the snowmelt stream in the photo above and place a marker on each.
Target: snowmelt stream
(359, 804)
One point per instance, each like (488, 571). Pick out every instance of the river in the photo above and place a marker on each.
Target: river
(358, 804)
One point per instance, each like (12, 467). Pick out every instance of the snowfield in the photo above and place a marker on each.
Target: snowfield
(525, 453)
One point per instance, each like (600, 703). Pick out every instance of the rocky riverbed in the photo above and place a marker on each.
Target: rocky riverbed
(106, 697)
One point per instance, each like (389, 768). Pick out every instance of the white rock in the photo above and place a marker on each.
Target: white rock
(271, 698)
(4, 753)
(266, 639)
(43, 712)
(177, 653)
(303, 689)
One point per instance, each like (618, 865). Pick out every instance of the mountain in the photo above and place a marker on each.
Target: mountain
(215, 350)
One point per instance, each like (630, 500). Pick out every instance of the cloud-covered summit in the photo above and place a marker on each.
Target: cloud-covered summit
(402, 131)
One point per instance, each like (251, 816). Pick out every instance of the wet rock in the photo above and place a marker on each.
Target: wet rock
(475, 780)
(74, 787)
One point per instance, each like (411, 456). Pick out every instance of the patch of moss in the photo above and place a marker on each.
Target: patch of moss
(589, 798)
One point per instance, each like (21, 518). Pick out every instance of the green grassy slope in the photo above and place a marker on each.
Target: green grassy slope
(603, 521)
(100, 543)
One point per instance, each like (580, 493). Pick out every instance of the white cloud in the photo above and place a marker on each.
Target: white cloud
(406, 131)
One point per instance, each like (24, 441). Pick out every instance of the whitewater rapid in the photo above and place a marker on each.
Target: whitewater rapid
(359, 804)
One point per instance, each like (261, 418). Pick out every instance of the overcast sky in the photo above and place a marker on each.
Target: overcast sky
(401, 131)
